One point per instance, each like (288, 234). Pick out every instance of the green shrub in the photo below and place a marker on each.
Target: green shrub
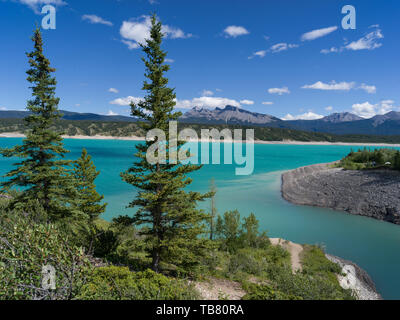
(317, 280)
(25, 247)
(243, 262)
(256, 262)
(309, 287)
(314, 261)
(234, 235)
(265, 292)
(367, 158)
(118, 283)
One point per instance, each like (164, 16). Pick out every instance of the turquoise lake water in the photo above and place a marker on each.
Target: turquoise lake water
(372, 244)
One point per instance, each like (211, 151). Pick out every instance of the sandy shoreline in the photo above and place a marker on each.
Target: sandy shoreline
(290, 142)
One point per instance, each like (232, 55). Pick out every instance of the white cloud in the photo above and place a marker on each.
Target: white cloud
(329, 108)
(174, 33)
(112, 113)
(207, 93)
(368, 110)
(305, 116)
(368, 42)
(318, 33)
(267, 103)
(386, 106)
(279, 91)
(136, 31)
(282, 47)
(131, 45)
(343, 86)
(113, 90)
(274, 49)
(235, 31)
(206, 102)
(36, 4)
(369, 89)
(3, 108)
(365, 110)
(247, 102)
(92, 18)
(331, 50)
(126, 101)
(169, 60)
(260, 54)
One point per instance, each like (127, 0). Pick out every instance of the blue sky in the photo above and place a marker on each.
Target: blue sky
(288, 58)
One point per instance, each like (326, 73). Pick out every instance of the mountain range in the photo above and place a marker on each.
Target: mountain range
(68, 115)
(336, 123)
(228, 115)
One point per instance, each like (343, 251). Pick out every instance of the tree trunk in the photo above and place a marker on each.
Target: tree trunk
(155, 264)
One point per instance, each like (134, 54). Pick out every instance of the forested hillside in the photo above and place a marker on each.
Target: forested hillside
(127, 129)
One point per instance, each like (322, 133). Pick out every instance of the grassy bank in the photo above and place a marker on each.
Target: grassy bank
(371, 159)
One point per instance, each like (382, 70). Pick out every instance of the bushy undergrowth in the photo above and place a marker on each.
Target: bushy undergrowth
(118, 283)
(316, 281)
(265, 292)
(239, 253)
(25, 247)
(368, 159)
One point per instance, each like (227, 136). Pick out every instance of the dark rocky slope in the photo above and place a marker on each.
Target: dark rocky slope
(372, 193)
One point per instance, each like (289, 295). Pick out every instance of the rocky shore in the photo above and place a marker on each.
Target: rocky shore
(356, 279)
(371, 193)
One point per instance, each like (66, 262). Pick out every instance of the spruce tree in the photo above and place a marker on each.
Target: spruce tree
(168, 215)
(250, 231)
(85, 174)
(89, 202)
(42, 173)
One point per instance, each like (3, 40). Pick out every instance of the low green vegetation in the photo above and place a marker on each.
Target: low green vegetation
(317, 280)
(119, 283)
(26, 245)
(371, 159)
(118, 267)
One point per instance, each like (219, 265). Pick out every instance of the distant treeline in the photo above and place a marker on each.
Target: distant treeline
(126, 129)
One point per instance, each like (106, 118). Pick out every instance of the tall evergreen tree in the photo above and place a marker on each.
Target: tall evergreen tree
(168, 215)
(85, 174)
(89, 202)
(42, 173)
